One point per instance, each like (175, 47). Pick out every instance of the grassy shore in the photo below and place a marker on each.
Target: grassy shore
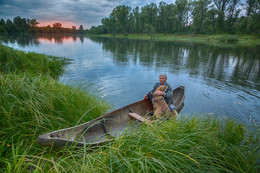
(244, 40)
(14, 61)
(33, 102)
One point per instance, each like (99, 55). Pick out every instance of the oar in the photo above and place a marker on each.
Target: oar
(140, 118)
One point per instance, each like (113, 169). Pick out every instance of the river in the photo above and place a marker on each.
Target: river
(219, 80)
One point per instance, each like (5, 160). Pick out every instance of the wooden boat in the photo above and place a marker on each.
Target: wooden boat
(107, 127)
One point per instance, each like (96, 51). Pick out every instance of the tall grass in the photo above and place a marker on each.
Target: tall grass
(190, 144)
(33, 102)
(32, 105)
(15, 61)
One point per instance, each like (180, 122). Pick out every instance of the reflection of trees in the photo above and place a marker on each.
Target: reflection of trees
(59, 38)
(21, 39)
(235, 64)
(81, 38)
(33, 39)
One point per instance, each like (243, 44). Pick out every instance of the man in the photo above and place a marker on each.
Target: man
(167, 94)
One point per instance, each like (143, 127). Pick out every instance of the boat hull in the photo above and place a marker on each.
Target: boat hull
(107, 127)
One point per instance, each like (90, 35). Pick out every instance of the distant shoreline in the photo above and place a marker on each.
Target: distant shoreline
(243, 40)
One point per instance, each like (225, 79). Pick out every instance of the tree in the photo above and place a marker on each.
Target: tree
(251, 22)
(137, 20)
(74, 29)
(149, 17)
(199, 14)
(232, 14)
(81, 30)
(48, 29)
(33, 22)
(121, 16)
(96, 30)
(9, 26)
(131, 23)
(2, 27)
(2, 22)
(172, 20)
(182, 8)
(254, 24)
(163, 17)
(211, 21)
(252, 7)
(221, 6)
(57, 25)
(107, 25)
(20, 24)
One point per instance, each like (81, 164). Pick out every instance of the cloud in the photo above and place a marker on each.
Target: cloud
(78, 12)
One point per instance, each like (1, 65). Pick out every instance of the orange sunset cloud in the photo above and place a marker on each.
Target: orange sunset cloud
(65, 24)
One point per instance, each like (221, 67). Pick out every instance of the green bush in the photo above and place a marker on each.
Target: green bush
(225, 38)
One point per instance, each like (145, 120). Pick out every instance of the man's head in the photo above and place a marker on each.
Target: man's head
(163, 78)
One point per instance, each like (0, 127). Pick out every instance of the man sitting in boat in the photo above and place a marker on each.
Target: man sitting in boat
(167, 94)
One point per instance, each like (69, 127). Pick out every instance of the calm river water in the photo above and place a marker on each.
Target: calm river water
(218, 80)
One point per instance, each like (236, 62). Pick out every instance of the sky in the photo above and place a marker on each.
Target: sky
(68, 12)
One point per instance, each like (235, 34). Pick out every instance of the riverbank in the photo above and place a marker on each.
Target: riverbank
(34, 102)
(243, 40)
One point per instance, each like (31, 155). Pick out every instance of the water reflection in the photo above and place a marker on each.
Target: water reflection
(223, 80)
(238, 65)
(35, 39)
(21, 39)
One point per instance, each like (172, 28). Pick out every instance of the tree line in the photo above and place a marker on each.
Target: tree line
(184, 17)
(23, 25)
